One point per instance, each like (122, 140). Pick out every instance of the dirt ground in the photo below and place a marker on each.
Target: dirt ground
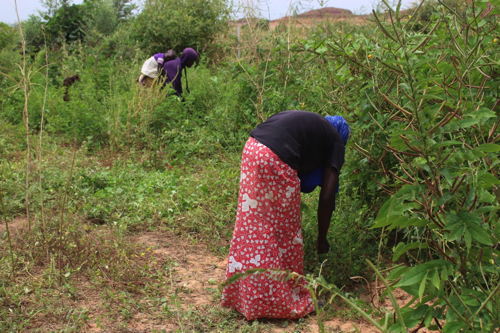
(194, 274)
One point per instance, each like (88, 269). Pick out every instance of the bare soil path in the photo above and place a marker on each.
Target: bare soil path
(177, 291)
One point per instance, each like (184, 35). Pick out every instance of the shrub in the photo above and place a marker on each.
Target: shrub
(425, 123)
(167, 24)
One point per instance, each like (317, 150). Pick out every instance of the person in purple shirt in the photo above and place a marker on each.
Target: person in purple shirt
(173, 69)
(153, 67)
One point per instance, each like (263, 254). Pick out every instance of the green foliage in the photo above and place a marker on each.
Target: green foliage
(7, 36)
(177, 24)
(425, 119)
(124, 8)
(67, 24)
(421, 94)
(33, 34)
(103, 17)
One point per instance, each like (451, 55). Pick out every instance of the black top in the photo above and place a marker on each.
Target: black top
(303, 140)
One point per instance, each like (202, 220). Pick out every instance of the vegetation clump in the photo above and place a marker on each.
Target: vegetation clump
(419, 198)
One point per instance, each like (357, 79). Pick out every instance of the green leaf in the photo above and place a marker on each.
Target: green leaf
(414, 222)
(453, 327)
(408, 192)
(447, 143)
(478, 153)
(428, 96)
(479, 234)
(398, 143)
(421, 289)
(435, 279)
(465, 123)
(467, 239)
(413, 276)
(406, 132)
(488, 179)
(402, 248)
(383, 214)
(322, 50)
(399, 221)
(449, 176)
(489, 148)
(397, 272)
(468, 217)
(487, 209)
(456, 232)
(419, 312)
(444, 199)
(388, 221)
(483, 113)
(428, 317)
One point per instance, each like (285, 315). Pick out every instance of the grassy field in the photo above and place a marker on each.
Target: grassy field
(118, 205)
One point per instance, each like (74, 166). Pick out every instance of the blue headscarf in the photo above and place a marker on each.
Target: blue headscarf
(309, 181)
(341, 126)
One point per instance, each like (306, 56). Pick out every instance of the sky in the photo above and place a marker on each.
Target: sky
(271, 9)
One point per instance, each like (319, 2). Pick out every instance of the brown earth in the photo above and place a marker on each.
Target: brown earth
(188, 285)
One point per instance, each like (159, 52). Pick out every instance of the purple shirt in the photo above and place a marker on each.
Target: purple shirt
(173, 68)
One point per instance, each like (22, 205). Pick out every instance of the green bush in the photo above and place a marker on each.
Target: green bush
(425, 123)
(167, 24)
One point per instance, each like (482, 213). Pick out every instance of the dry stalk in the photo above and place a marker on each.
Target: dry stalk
(41, 137)
(61, 225)
(8, 235)
(288, 45)
(25, 79)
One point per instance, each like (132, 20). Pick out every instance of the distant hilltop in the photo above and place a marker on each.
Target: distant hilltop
(321, 14)
(327, 12)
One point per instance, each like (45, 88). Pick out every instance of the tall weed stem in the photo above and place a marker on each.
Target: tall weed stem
(61, 226)
(44, 231)
(25, 113)
(8, 234)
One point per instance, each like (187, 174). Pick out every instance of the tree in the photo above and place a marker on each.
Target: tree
(51, 7)
(124, 8)
(103, 17)
(167, 24)
(67, 23)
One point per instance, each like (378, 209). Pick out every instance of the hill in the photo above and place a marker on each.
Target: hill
(311, 18)
(327, 12)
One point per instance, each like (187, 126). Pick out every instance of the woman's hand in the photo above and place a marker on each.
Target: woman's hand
(322, 246)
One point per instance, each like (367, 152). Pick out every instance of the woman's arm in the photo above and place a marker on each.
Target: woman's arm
(325, 207)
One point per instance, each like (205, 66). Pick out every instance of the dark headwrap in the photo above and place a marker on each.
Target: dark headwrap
(188, 54)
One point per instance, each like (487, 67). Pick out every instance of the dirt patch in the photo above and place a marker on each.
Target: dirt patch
(194, 267)
(195, 270)
(176, 291)
(16, 226)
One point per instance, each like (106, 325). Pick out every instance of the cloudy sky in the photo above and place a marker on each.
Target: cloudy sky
(269, 8)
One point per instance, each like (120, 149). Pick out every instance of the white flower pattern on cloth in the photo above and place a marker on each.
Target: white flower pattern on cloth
(270, 196)
(233, 265)
(255, 260)
(298, 238)
(267, 235)
(295, 294)
(248, 203)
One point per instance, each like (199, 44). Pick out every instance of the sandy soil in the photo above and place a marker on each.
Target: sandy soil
(196, 273)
